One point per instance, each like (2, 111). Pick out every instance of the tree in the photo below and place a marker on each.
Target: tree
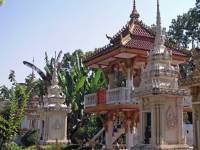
(1, 2)
(9, 126)
(45, 77)
(76, 81)
(185, 30)
(4, 93)
(11, 77)
(198, 7)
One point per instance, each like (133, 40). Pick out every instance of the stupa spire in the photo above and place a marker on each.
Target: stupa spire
(159, 39)
(158, 21)
(134, 15)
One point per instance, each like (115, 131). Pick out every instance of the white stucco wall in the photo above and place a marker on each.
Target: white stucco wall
(188, 131)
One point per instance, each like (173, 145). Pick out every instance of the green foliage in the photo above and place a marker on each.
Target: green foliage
(76, 81)
(30, 138)
(9, 127)
(11, 146)
(11, 77)
(1, 2)
(4, 93)
(185, 30)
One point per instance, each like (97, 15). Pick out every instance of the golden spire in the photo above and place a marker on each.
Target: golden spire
(134, 15)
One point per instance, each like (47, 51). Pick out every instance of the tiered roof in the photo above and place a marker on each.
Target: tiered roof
(134, 35)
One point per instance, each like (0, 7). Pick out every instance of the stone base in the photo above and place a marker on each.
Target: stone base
(160, 147)
(54, 142)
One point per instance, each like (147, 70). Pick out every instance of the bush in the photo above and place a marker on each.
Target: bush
(30, 138)
(11, 146)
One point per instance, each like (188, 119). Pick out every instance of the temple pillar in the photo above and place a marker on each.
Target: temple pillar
(196, 126)
(129, 81)
(154, 122)
(196, 116)
(110, 80)
(141, 127)
(129, 135)
(65, 129)
(109, 132)
(180, 122)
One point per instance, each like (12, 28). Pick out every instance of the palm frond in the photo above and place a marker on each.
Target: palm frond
(32, 66)
(59, 56)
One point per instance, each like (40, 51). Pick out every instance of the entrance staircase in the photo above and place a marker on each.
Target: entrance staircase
(100, 133)
(116, 135)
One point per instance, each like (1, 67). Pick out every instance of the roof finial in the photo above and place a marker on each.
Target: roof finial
(134, 15)
(134, 4)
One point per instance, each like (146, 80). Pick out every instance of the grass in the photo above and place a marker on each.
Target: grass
(45, 147)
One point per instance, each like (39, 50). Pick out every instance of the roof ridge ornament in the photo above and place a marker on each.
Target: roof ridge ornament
(134, 15)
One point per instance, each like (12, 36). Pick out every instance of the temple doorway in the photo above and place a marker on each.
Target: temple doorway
(42, 131)
(147, 127)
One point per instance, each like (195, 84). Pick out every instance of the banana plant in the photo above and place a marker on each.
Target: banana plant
(76, 81)
(46, 76)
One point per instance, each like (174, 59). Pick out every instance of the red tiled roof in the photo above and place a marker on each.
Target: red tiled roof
(140, 31)
(139, 43)
(142, 38)
(148, 44)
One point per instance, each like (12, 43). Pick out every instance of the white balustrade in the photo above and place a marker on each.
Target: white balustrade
(90, 100)
(121, 95)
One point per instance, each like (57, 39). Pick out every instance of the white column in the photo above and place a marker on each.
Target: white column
(129, 136)
(109, 135)
(135, 135)
(153, 124)
(129, 81)
(180, 120)
(65, 129)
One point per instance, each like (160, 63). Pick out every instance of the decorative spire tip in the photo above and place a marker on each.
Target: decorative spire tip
(134, 15)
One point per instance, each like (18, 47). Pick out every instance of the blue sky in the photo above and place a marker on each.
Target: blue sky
(28, 28)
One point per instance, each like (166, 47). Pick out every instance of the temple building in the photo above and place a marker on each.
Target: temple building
(49, 117)
(127, 62)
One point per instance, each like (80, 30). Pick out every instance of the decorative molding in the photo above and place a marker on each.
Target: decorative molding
(171, 117)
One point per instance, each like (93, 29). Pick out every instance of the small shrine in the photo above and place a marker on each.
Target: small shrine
(192, 81)
(160, 99)
(31, 117)
(53, 114)
(48, 117)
